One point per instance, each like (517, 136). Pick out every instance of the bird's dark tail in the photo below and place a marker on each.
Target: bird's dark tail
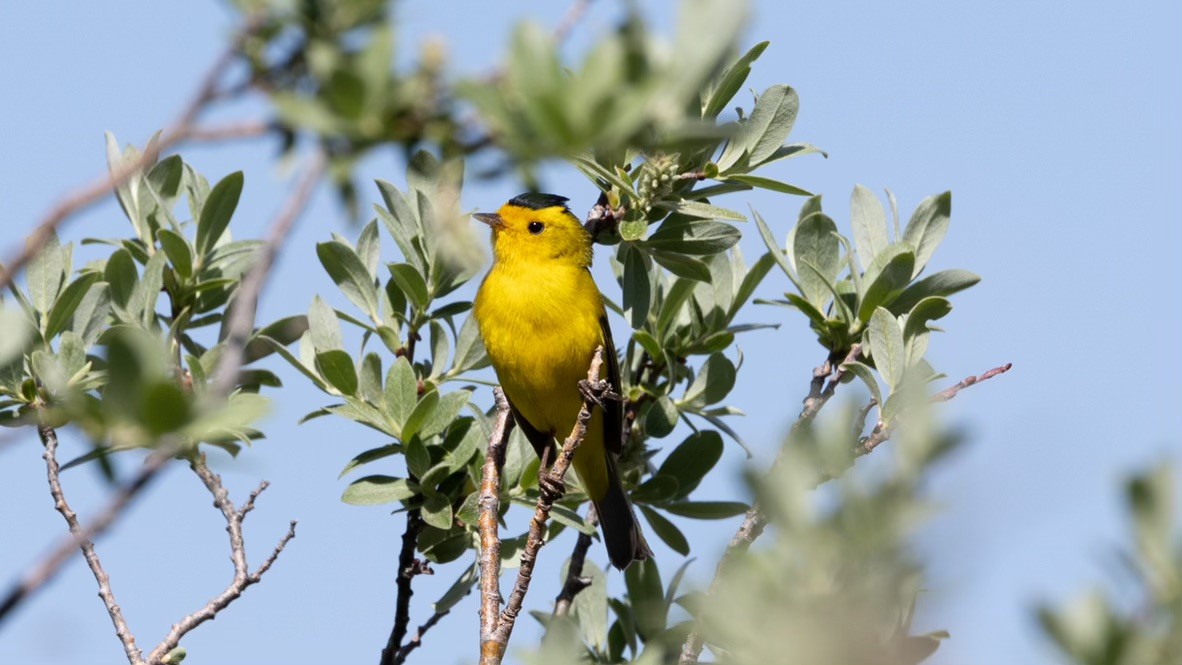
(621, 531)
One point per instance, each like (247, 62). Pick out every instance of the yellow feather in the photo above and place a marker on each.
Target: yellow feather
(538, 311)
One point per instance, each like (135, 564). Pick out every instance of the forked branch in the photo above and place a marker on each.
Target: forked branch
(243, 577)
(497, 627)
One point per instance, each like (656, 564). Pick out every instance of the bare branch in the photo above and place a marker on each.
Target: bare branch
(228, 132)
(949, 393)
(122, 631)
(98, 189)
(551, 486)
(408, 567)
(570, 19)
(575, 580)
(489, 503)
(417, 639)
(241, 319)
(243, 578)
(882, 432)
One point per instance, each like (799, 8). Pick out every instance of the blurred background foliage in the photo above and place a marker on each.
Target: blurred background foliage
(126, 348)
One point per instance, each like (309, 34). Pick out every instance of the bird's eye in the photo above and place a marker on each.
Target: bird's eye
(536, 227)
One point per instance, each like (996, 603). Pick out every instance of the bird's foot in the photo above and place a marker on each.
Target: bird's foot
(552, 488)
(596, 392)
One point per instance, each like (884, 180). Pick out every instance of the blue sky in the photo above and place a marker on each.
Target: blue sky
(1058, 128)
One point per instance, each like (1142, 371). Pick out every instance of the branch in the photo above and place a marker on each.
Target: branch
(949, 393)
(236, 130)
(122, 631)
(90, 194)
(240, 325)
(408, 567)
(489, 504)
(417, 639)
(603, 217)
(551, 489)
(243, 578)
(882, 432)
(570, 19)
(755, 521)
(575, 580)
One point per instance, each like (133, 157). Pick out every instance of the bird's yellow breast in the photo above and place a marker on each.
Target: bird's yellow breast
(540, 324)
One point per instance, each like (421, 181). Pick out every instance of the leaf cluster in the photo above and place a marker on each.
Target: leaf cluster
(100, 347)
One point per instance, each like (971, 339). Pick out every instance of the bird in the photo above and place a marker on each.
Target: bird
(542, 318)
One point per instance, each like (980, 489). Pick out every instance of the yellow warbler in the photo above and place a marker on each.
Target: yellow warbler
(542, 317)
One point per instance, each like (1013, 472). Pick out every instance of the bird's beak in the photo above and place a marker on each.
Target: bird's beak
(491, 218)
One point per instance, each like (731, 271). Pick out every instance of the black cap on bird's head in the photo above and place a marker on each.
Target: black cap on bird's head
(538, 201)
(528, 201)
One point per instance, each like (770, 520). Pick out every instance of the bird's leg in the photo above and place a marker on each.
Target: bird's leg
(552, 488)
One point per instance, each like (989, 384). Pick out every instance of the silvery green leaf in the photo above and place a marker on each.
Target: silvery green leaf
(336, 366)
(142, 303)
(215, 216)
(64, 307)
(943, 283)
(589, 607)
(460, 588)
(869, 222)
(45, 274)
(369, 248)
(470, 353)
(637, 286)
(401, 391)
(886, 346)
(730, 82)
(885, 279)
(768, 184)
(376, 490)
(350, 275)
(714, 382)
(815, 242)
(927, 227)
(864, 372)
(323, 326)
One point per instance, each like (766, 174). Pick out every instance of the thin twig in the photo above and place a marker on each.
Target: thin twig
(416, 640)
(408, 567)
(248, 129)
(98, 189)
(949, 393)
(882, 432)
(570, 19)
(122, 631)
(489, 504)
(575, 580)
(243, 578)
(492, 650)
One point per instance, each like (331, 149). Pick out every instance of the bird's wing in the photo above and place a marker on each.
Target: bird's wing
(537, 438)
(613, 410)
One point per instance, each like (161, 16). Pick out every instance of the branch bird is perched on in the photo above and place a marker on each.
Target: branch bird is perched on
(542, 318)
